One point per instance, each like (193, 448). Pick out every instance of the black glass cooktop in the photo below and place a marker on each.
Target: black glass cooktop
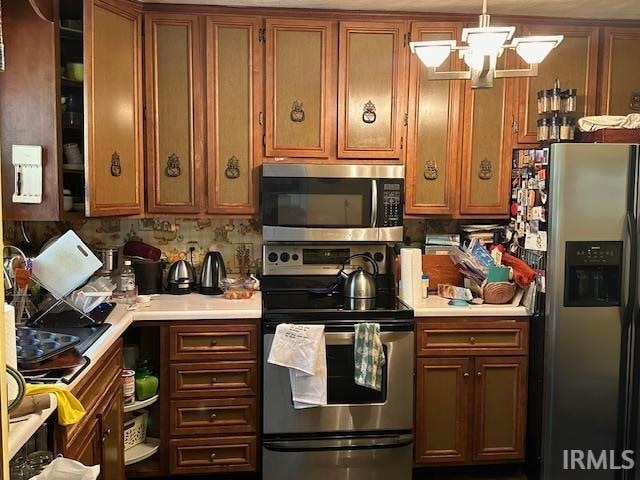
(304, 305)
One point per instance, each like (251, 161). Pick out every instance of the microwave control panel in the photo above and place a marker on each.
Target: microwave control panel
(392, 204)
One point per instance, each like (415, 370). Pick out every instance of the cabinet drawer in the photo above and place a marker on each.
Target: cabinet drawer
(211, 455)
(225, 342)
(219, 379)
(213, 417)
(472, 338)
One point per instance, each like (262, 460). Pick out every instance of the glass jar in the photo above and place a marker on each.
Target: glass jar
(540, 102)
(564, 129)
(556, 99)
(570, 98)
(572, 128)
(545, 100)
(146, 382)
(36, 461)
(543, 129)
(554, 128)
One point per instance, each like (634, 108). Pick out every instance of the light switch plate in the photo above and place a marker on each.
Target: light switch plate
(27, 162)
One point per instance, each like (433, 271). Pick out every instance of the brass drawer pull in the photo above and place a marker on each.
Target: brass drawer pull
(116, 166)
(479, 374)
(212, 416)
(297, 112)
(465, 374)
(233, 168)
(212, 457)
(213, 342)
(472, 340)
(213, 380)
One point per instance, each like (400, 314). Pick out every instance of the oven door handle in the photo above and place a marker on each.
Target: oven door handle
(350, 443)
(374, 203)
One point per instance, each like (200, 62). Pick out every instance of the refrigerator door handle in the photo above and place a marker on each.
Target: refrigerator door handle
(632, 275)
(353, 443)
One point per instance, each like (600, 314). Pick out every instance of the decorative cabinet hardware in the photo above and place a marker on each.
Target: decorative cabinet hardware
(486, 170)
(212, 416)
(297, 112)
(369, 112)
(233, 168)
(173, 168)
(116, 167)
(106, 435)
(213, 342)
(465, 374)
(479, 374)
(634, 103)
(212, 457)
(430, 170)
(472, 340)
(213, 380)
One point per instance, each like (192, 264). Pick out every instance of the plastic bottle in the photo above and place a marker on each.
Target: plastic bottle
(128, 282)
(424, 284)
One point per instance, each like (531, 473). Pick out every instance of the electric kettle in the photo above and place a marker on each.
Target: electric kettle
(359, 284)
(213, 271)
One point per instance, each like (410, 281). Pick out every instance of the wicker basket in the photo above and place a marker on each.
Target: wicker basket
(498, 293)
(135, 429)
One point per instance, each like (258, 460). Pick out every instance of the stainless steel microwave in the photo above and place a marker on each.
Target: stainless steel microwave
(316, 203)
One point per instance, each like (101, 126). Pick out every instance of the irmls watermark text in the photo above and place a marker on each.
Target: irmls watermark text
(597, 460)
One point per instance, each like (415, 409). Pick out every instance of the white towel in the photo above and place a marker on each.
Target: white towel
(302, 349)
(598, 122)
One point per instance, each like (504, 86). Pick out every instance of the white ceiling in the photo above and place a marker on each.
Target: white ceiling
(618, 9)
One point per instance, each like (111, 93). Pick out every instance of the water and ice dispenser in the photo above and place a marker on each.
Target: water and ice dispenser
(593, 274)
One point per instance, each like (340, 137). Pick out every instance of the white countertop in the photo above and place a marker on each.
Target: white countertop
(436, 306)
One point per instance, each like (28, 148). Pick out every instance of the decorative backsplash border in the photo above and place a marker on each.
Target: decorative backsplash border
(239, 241)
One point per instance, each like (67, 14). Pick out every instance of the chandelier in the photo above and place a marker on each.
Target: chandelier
(484, 44)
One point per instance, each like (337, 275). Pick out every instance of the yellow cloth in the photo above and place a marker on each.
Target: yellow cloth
(70, 410)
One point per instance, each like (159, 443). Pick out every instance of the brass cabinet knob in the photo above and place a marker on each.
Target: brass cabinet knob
(214, 380)
(212, 457)
(212, 416)
(472, 340)
(213, 342)
(479, 374)
(465, 374)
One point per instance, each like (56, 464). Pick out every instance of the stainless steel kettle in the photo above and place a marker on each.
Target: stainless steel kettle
(213, 271)
(359, 284)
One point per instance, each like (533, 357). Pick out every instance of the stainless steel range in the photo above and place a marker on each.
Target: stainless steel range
(361, 433)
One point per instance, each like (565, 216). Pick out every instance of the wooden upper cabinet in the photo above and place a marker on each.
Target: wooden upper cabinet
(574, 62)
(113, 107)
(500, 411)
(301, 100)
(443, 402)
(234, 101)
(433, 130)
(174, 93)
(487, 142)
(620, 74)
(371, 90)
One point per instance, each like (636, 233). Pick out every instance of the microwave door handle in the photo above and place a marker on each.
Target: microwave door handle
(374, 203)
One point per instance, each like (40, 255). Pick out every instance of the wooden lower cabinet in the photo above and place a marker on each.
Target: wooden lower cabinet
(213, 455)
(470, 408)
(443, 407)
(98, 438)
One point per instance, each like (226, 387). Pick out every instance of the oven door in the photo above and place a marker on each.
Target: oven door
(351, 408)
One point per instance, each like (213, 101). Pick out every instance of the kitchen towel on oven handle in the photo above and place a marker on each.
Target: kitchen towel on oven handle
(302, 349)
(368, 356)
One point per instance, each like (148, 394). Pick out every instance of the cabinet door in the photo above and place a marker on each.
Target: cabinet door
(87, 447)
(487, 148)
(433, 130)
(574, 62)
(234, 100)
(174, 113)
(444, 387)
(300, 88)
(500, 410)
(371, 90)
(620, 79)
(111, 436)
(113, 108)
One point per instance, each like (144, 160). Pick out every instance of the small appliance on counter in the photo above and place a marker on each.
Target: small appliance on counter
(213, 271)
(109, 258)
(148, 275)
(181, 278)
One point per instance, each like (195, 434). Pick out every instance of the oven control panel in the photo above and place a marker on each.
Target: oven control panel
(286, 259)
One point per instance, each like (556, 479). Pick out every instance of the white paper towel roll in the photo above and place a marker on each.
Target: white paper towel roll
(410, 274)
(10, 336)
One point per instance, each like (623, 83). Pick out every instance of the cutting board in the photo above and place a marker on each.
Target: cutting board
(65, 265)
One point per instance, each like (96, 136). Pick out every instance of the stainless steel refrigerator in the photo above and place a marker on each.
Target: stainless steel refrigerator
(592, 346)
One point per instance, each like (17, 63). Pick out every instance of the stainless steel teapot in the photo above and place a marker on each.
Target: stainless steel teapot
(359, 284)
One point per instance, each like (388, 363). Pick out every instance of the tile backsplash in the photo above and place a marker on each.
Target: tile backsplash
(239, 241)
